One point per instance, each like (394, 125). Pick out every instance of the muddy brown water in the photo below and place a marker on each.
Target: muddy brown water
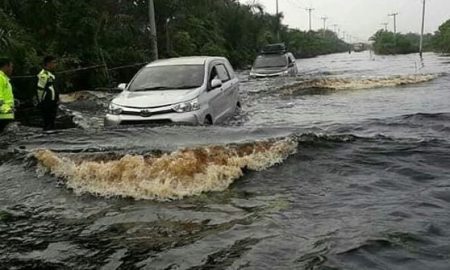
(346, 166)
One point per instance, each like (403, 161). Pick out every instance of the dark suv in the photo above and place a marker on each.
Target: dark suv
(274, 60)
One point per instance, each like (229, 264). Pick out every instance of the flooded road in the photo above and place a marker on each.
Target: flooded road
(345, 167)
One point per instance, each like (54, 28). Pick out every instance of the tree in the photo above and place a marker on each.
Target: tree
(111, 33)
(441, 41)
(386, 42)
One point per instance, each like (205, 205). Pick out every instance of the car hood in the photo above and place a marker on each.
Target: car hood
(269, 70)
(149, 99)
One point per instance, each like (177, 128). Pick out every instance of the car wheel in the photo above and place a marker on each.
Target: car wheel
(238, 108)
(208, 121)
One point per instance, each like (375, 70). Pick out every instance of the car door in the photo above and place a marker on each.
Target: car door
(293, 70)
(232, 93)
(228, 86)
(214, 96)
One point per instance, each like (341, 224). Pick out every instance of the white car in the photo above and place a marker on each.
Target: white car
(187, 90)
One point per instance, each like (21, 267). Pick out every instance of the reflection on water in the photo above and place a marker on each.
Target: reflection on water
(343, 167)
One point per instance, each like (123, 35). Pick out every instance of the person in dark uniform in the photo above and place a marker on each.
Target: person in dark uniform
(47, 95)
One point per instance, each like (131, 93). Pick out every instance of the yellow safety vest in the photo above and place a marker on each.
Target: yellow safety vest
(6, 98)
(45, 80)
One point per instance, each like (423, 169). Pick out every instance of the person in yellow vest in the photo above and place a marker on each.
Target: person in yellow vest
(6, 93)
(47, 95)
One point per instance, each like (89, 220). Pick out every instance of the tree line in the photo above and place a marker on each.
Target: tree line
(113, 33)
(386, 42)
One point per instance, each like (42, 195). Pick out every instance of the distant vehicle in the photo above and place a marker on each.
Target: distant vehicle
(187, 90)
(359, 47)
(274, 60)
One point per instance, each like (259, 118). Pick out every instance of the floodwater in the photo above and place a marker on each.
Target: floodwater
(346, 166)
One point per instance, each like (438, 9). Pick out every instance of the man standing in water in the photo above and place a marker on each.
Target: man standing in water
(48, 97)
(6, 93)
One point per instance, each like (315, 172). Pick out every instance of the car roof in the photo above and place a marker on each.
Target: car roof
(272, 55)
(191, 60)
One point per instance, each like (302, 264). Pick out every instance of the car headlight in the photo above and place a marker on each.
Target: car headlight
(188, 106)
(114, 109)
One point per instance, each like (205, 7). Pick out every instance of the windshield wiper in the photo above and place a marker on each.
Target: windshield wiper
(270, 67)
(186, 87)
(152, 88)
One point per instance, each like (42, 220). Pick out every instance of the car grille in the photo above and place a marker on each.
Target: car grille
(139, 113)
(156, 122)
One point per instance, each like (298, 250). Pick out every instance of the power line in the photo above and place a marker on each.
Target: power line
(296, 4)
(310, 13)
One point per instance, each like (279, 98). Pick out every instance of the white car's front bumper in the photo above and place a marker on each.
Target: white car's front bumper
(187, 118)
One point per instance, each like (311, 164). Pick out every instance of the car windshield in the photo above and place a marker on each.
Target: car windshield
(169, 78)
(270, 61)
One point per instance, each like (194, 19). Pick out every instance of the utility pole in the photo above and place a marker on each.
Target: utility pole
(310, 22)
(395, 21)
(324, 19)
(423, 28)
(385, 26)
(277, 8)
(278, 21)
(152, 21)
(335, 27)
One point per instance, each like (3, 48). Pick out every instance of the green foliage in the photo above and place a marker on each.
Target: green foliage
(16, 44)
(115, 32)
(389, 43)
(310, 44)
(441, 41)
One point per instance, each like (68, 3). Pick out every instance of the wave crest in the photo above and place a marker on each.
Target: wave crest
(85, 96)
(365, 83)
(175, 175)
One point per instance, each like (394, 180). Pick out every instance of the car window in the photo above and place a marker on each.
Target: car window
(168, 78)
(230, 70)
(213, 75)
(222, 73)
(271, 61)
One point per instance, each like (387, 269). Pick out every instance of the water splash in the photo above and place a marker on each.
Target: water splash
(86, 108)
(175, 175)
(364, 83)
(86, 96)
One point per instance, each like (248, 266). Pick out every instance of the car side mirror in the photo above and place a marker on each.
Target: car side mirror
(292, 64)
(122, 86)
(216, 83)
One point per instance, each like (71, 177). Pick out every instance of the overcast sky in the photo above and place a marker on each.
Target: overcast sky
(361, 18)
